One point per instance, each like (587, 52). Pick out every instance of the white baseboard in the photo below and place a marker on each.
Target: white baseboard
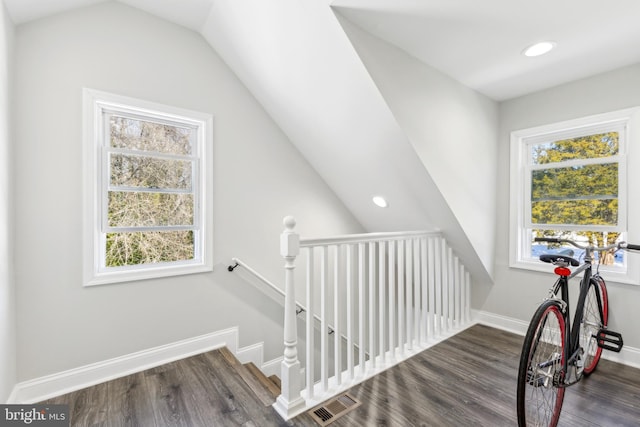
(628, 356)
(43, 388)
(498, 321)
(252, 353)
(273, 367)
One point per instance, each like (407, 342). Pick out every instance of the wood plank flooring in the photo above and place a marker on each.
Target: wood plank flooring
(201, 391)
(468, 380)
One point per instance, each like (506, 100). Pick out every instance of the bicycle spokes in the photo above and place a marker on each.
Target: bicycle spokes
(541, 374)
(557, 350)
(544, 374)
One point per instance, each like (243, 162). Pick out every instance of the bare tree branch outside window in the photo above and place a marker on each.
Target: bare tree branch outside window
(150, 207)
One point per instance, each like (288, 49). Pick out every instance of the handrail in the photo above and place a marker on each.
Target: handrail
(255, 273)
(366, 237)
(301, 308)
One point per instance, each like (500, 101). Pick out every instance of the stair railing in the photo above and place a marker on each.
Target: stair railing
(237, 262)
(390, 294)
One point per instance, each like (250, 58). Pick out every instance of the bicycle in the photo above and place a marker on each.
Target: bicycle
(558, 352)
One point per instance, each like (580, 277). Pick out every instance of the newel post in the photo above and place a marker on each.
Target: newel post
(290, 402)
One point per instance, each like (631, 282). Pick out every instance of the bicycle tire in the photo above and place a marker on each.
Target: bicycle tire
(595, 315)
(540, 391)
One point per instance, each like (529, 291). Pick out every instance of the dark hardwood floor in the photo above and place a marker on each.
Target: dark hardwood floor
(203, 390)
(468, 380)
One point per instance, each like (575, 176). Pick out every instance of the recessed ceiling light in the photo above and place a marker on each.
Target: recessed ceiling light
(539, 49)
(380, 201)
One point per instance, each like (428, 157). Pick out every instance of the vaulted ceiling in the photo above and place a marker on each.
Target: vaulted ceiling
(477, 43)
(320, 68)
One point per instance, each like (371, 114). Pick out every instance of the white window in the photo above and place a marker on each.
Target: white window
(147, 177)
(569, 179)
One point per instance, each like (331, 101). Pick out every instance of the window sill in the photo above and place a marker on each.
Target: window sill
(132, 275)
(609, 275)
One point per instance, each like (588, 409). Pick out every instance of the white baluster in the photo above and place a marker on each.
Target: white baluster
(457, 294)
(392, 298)
(350, 311)
(409, 293)
(468, 294)
(445, 286)
(337, 333)
(424, 290)
(450, 287)
(432, 288)
(402, 335)
(467, 306)
(382, 301)
(310, 323)
(372, 306)
(417, 280)
(438, 285)
(361, 308)
(290, 400)
(324, 327)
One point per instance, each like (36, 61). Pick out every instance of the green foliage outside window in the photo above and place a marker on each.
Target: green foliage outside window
(574, 189)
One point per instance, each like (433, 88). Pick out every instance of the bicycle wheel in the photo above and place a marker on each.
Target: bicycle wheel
(540, 390)
(595, 314)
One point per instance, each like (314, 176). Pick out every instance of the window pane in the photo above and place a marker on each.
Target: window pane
(584, 147)
(575, 195)
(148, 247)
(134, 134)
(136, 209)
(578, 212)
(150, 172)
(596, 238)
(578, 182)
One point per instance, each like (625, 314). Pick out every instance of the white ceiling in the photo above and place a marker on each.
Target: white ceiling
(476, 42)
(479, 43)
(188, 13)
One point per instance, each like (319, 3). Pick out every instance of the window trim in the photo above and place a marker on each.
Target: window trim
(519, 143)
(95, 183)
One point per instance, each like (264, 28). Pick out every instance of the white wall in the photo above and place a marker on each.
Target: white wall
(295, 58)
(517, 292)
(259, 178)
(452, 128)
(7, 289)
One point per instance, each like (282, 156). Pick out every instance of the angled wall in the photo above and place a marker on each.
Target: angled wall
(298, 62)
(259, 178)
(7, 285)
(452, 128)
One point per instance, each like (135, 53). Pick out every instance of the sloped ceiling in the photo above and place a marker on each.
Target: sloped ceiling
(479, 43)
(476, 42)
(297, 60)
(188, 13)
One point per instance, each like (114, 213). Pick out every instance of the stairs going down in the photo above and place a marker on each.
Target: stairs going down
(267, 389)
(209, 389)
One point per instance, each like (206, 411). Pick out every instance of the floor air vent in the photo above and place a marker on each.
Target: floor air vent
(335, 408)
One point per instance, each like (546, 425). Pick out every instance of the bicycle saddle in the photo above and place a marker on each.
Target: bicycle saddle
(553, 258)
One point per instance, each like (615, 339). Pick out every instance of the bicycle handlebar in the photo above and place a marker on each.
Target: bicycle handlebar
(616, 246)
(630, 246)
